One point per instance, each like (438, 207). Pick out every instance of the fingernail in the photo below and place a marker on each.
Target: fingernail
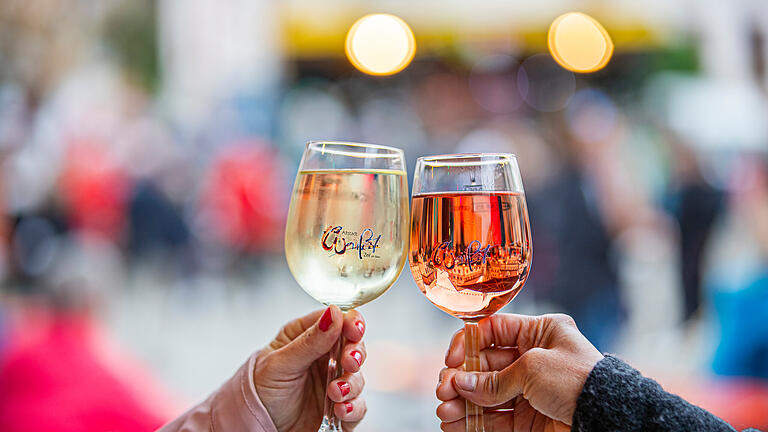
(349, 407)
(326, 320)
(467, 381)
(360, 326)
(344, 388)
(357, 356)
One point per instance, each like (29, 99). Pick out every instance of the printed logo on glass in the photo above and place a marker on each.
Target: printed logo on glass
(334, 240)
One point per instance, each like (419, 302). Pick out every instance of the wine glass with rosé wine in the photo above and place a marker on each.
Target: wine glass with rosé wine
(471, 250)
(346, 236)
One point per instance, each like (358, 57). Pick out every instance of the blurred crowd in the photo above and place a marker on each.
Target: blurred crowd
(162, 137)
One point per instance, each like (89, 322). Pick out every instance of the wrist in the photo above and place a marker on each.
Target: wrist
(581, 361)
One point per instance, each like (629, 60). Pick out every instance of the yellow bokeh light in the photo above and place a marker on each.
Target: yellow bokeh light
(579, 43)
(380, 44)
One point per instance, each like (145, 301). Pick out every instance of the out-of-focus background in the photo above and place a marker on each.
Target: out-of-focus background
(148, 149)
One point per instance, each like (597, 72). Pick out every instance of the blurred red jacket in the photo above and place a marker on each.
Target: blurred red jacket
(60, 373)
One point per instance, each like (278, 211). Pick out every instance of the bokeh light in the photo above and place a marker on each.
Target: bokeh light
(380, 44)
(579, 43)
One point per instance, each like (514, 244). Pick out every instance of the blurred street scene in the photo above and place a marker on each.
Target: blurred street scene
(148, 150)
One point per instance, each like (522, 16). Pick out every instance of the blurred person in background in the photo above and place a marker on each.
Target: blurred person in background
(696, 205)
(282, 387)
(93, 191)
(156, 226)
(580, 212)
(242, 198)
(738, 279)
(443, 102)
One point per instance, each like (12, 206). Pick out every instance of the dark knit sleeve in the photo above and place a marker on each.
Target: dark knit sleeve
(617, 398)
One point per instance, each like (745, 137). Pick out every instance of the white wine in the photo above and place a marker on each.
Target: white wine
(347, 233)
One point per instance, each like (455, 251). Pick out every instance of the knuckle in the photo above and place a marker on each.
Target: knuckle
(535, 353)
(491, 386)
(563, 320)
(442, 375)
(283, 332)
(531, 361)
(282, 338)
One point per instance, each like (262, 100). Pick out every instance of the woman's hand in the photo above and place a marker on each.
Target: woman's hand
(538, 366)
(290, 373)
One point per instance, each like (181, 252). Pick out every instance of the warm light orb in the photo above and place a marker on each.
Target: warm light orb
(380, 44)
(579, 43)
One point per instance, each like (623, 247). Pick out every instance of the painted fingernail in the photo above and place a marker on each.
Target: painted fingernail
(349, 407)
(467, 381)
(344, 388)
(326, 320)
(360, 326)
(357, 356)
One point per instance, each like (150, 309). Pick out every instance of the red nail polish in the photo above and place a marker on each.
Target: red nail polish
(348, 406)
(360, 326)
(357, 356)
(326, 320)
(344, 388)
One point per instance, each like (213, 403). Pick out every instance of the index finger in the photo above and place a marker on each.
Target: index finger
(500, 330)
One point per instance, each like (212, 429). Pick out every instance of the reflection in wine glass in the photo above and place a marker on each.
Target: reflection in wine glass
(346, 235)
(470, 250)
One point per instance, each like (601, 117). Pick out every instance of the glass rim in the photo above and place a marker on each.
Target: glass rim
(393, 152)
(456, 159)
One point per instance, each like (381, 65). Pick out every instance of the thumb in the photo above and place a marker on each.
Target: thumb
(299, 354)
(491, 388)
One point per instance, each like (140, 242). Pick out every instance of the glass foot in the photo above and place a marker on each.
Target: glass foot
(327, 426)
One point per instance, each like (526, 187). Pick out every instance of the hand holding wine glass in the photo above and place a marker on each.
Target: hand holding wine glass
(282, 387)
(289, 375)
(538, 366)
(347, 233)
(470, 242)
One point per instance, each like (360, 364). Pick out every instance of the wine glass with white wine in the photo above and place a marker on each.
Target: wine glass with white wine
(346, 237)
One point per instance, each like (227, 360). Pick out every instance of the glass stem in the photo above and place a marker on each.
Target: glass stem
(472, 364)
(330, 421)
